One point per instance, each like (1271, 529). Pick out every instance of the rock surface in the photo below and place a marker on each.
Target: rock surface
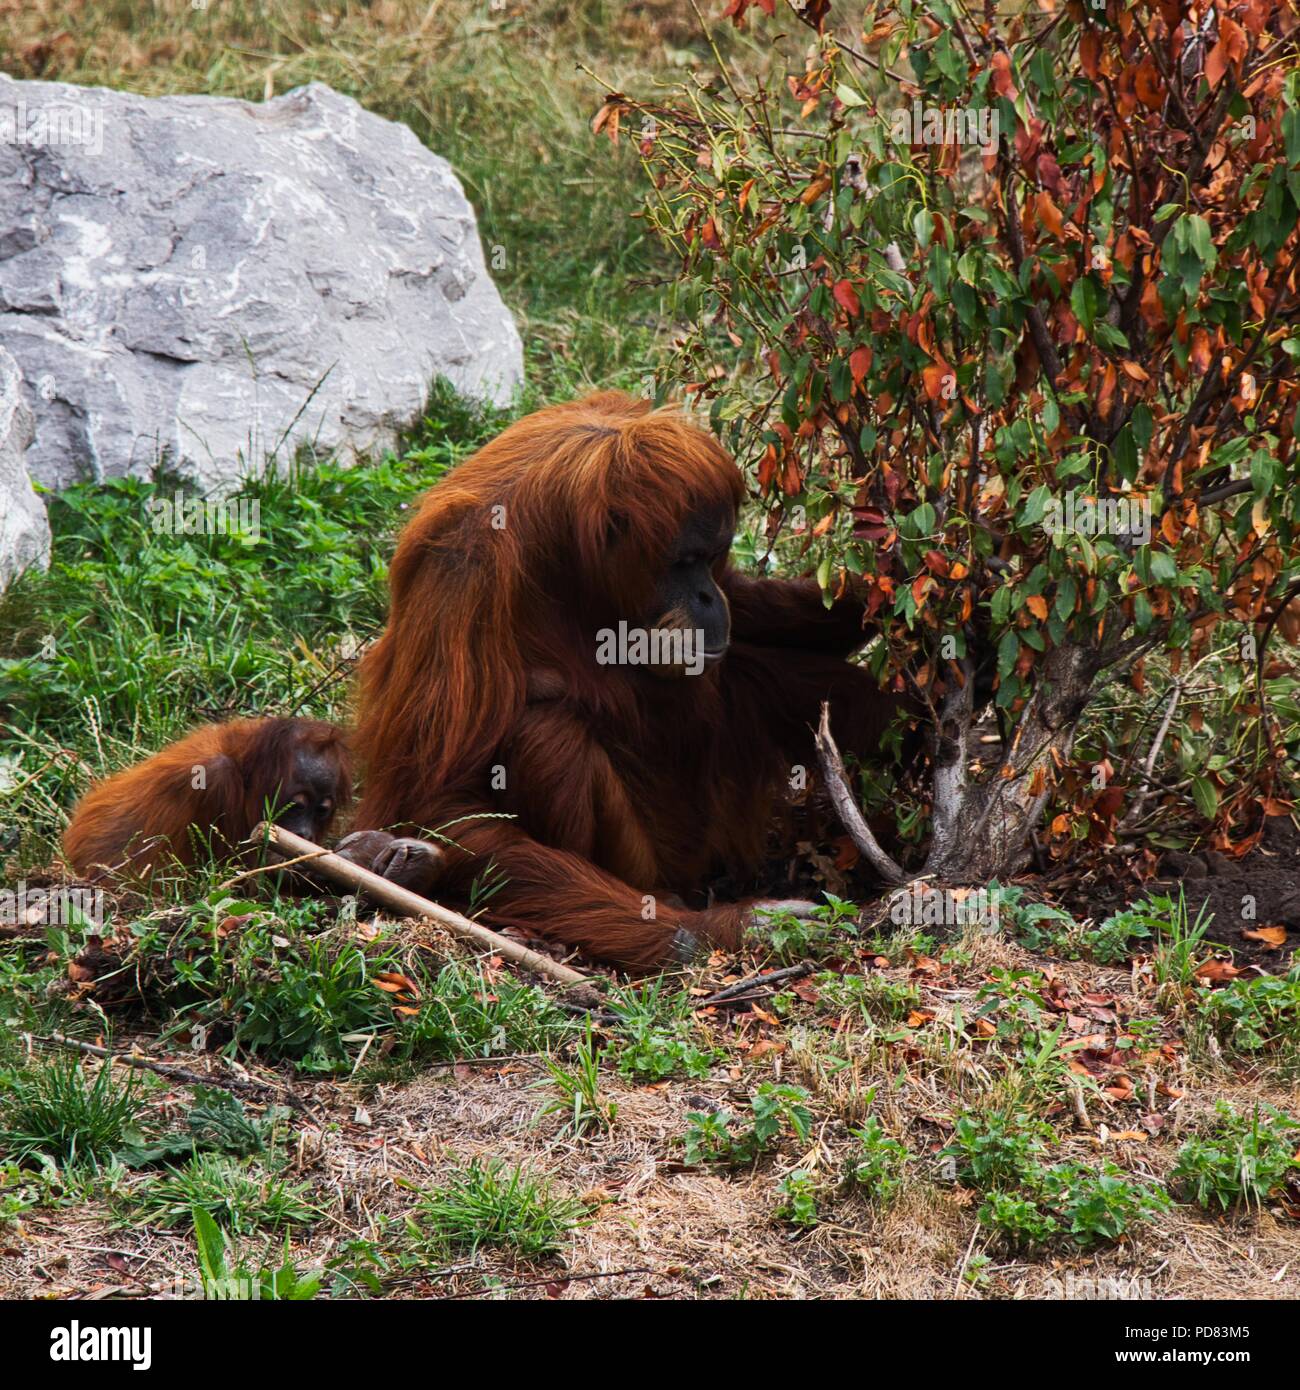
(24, 531)
(209, 281)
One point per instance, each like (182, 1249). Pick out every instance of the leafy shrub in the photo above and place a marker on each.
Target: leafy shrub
(871, 996)
(711, 1137)
(934, 353)
(877, 1165)
(1244, 1158)
(1250, 1016)
(997, 1150)
(798, 1192)
(1042, 927)
(655, 1034)
(830, 930)
(1033, 1203)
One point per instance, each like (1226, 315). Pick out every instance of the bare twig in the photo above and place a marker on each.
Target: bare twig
(1134, 812)
(846, 804)
(168, 1069)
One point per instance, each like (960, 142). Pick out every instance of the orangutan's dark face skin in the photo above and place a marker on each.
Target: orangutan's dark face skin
(687, 595)
(306, 804)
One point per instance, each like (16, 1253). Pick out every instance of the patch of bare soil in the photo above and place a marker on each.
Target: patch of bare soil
(1244, 896)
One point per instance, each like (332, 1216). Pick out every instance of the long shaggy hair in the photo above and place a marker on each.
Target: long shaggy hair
(596, 792)
(555, 529)
(133, 822)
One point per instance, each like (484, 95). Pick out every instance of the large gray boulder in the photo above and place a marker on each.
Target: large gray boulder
(210, 281)
(24, 531)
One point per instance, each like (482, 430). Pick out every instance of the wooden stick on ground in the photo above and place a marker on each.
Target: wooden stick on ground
(410, 904)
(743, 988)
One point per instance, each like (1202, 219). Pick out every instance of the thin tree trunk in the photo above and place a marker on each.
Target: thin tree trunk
(982, 830)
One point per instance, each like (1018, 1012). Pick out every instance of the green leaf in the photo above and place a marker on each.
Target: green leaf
(1163, 568)
(1264, 472)
(1008, 653)
(1067, 594)
(1035, 505)
(1206, 796)
(211, 1245)
(1087, 300)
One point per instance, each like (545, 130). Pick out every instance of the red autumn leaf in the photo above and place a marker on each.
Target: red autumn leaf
(1109, 802)
(1216, 972)
(847, 853)
(1049, 172)
(935, 376)
(1228, 52)
(1106, 397)
(735, 10)
(608, 116)
(1090, 53)
(847, 298)
(869, 524)
(1003, 83)
(815, 190)
(859, 364)
(767, 467)
(391, 982)
(937, 563)
(1149, 85)
(1049, 214)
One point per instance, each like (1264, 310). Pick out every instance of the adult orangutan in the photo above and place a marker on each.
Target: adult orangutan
(585, 531)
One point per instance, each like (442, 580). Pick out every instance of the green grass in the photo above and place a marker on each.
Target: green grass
(53, 1110)
(576, 1091)
(224, 1273)
(238, 1194)
(487, 1203)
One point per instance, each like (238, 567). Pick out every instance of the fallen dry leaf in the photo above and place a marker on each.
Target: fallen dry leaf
(1215, 972)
